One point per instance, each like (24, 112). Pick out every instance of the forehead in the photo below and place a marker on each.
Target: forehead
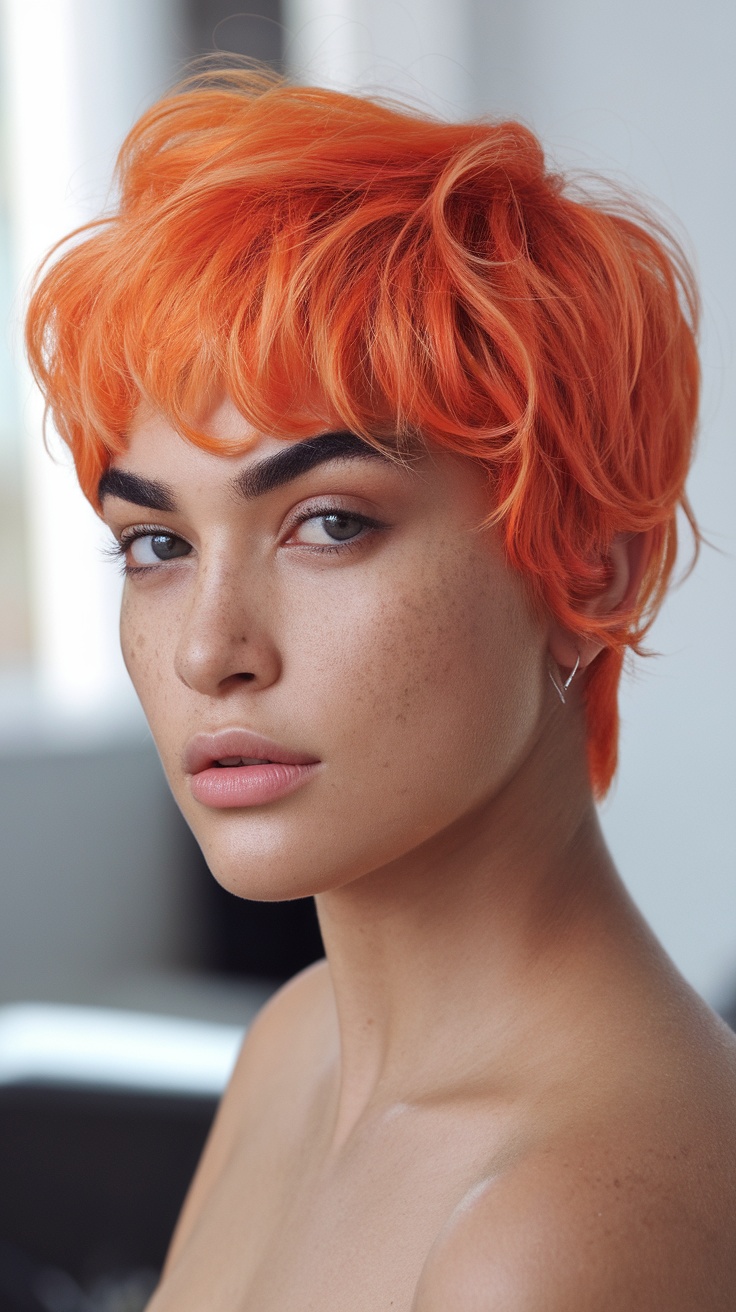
(226, 433)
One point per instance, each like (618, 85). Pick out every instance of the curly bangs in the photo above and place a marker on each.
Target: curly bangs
(319, 256)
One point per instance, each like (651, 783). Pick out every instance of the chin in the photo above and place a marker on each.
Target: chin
(254, 856)
(271, 857)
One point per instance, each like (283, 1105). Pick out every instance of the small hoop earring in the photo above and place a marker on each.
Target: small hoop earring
(559, 687)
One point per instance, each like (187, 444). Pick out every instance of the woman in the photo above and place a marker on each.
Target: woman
(390, 428)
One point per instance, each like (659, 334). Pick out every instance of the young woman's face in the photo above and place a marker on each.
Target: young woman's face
(348, 611)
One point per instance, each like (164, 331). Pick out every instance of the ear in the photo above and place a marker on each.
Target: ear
(628, 558)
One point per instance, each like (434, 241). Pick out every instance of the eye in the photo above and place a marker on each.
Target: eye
(154, 548)
(332, 527)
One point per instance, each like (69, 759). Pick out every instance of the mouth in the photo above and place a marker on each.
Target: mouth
(236, 768)
(236, 749)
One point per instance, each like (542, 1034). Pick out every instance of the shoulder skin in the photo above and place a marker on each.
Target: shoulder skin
(601, 1228)
(277, 1043)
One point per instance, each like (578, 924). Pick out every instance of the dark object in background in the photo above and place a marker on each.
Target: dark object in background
(273, 940)
(270, 939)
(92, 1183)
(28, 1286)
(729, 1014)
(254, 29)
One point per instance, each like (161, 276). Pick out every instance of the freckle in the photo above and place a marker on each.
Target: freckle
(617, 1184)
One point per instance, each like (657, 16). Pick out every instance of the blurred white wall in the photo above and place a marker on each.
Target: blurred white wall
(647, 93)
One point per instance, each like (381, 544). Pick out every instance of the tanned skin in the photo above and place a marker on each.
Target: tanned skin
(497, 1094)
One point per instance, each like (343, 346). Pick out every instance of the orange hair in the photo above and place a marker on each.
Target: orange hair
(324, 256)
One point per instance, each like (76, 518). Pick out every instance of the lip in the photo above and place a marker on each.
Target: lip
(205, 749)
(224, 787)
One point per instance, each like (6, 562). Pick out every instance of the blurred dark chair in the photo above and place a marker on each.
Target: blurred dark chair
(92, 1181)
(92, 1173)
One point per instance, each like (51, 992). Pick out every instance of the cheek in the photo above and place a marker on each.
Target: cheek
(135, 643)
(430, 684)
(143, 642)
(132, 638)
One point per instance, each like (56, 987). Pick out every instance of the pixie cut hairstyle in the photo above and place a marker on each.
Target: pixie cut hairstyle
(328, 258)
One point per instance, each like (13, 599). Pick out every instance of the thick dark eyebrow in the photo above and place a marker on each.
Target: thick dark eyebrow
(298, 459)
(252, 482)
(139, 491)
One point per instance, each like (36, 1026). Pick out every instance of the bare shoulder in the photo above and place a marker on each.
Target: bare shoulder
(596, 1232)
(632, 1207)
(277, 1054)
(295, 1023)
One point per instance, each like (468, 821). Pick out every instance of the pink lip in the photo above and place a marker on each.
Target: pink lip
(243, 785)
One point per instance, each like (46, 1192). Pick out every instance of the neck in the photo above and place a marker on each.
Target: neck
(442, 961)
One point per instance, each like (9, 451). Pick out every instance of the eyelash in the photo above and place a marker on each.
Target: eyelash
(118, 549)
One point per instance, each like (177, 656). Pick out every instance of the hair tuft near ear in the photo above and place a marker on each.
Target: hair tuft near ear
(601, 701)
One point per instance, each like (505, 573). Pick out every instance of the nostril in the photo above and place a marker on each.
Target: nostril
(246, 677)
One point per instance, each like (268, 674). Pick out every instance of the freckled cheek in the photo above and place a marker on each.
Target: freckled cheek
(132, 638)
(436, 665)
(394, 659)
(145, 642)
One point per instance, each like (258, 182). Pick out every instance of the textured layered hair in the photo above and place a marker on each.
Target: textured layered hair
(324, 258)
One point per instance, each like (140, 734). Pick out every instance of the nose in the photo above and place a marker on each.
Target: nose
(224, 639)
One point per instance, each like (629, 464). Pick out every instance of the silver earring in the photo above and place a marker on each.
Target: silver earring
(559, 687)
